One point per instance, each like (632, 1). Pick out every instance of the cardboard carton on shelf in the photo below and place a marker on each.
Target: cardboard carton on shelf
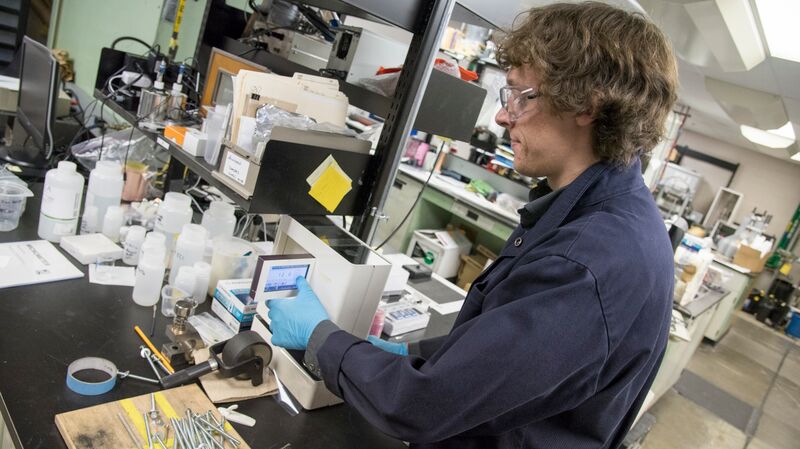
(750, 258)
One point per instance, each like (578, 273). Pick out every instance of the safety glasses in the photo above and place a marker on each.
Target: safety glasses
(516, 99)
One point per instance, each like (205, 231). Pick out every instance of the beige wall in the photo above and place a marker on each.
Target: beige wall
(766, 182)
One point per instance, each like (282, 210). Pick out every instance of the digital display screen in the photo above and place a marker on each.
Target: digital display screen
(282, 277)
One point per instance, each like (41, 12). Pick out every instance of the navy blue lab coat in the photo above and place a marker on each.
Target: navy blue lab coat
(556, 345)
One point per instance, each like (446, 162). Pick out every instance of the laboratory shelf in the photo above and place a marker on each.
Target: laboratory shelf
(405, 13)
(128, 116)
(449, 108)
(199, 167)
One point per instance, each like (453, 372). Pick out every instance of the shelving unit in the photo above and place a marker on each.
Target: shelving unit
(426, 99)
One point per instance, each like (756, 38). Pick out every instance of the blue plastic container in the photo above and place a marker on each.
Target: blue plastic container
(793, 328)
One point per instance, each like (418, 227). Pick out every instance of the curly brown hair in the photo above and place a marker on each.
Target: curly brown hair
(598, 59)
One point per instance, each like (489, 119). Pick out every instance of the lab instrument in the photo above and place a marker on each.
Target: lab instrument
(275, 276)
(245, 356)
(348, 278)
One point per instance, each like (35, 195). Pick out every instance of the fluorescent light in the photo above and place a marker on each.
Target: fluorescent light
(796, 157)
(779, 22)
(772, 138)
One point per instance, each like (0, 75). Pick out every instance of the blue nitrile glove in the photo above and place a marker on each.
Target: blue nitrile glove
(394, 348)
(293, 320)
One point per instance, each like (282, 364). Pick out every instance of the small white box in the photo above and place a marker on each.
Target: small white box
(439, 250)
(233, 305)
(194, 142)
(401, 317)
(87, 248)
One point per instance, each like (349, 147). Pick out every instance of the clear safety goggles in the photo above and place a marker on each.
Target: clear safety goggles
(516, 100)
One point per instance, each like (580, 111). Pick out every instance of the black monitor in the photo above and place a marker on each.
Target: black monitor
(38, 92)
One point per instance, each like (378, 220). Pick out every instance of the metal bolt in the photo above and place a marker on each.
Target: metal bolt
(124, 374)
(147, 429)
(145, 353)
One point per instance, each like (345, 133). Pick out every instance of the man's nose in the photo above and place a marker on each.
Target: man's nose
(503, 118)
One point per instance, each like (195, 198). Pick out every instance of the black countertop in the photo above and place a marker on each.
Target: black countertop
(44, 327)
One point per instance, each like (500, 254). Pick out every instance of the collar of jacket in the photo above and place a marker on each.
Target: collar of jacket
(597, 183)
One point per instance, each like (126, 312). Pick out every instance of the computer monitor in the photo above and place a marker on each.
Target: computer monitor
(38, 92)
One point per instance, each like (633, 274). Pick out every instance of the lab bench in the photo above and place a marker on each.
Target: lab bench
(738, 282)
(444, 200)
(47, 326)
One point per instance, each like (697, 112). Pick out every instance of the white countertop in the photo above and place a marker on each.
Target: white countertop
(457, 190)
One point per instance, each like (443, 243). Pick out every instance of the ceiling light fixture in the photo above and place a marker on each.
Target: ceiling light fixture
(772, 138)
(779, 22)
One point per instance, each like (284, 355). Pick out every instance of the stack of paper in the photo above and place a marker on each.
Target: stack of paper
(33, 262)
(314, 96)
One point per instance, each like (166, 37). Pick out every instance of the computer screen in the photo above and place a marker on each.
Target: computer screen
(38, 91)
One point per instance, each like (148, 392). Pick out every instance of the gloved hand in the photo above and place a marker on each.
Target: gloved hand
(394, 348)
(293, 320)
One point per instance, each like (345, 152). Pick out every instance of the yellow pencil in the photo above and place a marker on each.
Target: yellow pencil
(153, 348)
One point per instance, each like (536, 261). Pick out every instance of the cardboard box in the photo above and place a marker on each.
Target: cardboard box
(750, 258)
(473, 265)
(233, 305)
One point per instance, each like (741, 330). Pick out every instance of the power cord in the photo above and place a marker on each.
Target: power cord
(410, 210)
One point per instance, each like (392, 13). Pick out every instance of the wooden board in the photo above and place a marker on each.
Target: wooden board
(99, 427)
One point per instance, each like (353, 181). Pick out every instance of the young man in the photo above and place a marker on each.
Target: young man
(561, 337)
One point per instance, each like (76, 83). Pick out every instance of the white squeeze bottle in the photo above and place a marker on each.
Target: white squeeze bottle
(149, 277)
(173, 213)
(61, 202)
(105, 190)
(189, 249)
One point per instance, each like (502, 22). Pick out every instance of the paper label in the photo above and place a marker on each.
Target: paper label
(163, 143)
(236, 168)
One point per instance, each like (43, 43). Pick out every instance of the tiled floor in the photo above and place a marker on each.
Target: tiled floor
(743, 393)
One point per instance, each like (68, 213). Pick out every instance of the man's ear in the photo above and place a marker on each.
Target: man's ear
(585, 119)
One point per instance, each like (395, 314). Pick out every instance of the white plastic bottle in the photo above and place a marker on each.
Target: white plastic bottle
(104, 191)
(202, 271)
(189, 248)
(133, 244)
(61, 202)
(219, 219)
(149, 277)
(89, 220)
(173, 213)
(113, 222)
(154, 242)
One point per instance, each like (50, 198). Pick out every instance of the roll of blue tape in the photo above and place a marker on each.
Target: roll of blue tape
(91, 388)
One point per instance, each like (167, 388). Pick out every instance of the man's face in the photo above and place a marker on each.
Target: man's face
(541, 140)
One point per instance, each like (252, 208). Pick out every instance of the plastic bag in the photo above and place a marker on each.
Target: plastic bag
(270, 116)
(120, 147)
(383, 84)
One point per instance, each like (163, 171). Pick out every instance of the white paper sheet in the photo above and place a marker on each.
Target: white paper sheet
(124, 276)
(34, 262)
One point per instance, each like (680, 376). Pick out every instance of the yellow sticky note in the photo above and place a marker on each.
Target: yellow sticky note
(330, 188)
